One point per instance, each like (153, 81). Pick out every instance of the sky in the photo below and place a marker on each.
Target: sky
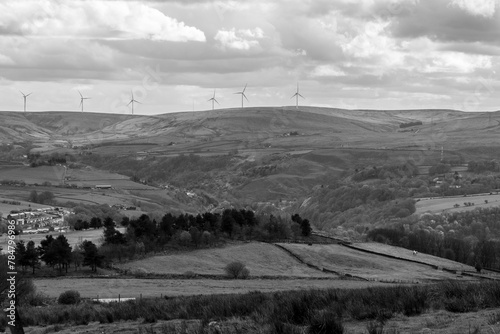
(173, 55)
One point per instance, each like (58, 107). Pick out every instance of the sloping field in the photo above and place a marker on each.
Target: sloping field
(260, 258)
(408, 254)
(369, 266)
(447, 204)
(52, 174)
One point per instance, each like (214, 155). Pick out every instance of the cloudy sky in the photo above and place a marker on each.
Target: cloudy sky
(376, 54)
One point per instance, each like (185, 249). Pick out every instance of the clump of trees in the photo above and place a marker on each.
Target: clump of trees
(440, 168)
(237, 270)
(45, 197)
(483, 166)
(409, 124)
(407, 169)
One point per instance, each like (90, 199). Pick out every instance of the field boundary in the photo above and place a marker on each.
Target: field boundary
(453, 271)
(298, 258)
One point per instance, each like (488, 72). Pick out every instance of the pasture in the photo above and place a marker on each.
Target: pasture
(52, 174)
(446, 204)
(369, 266)
(408, 254)
(133, 288)
(6, 208)
(74, 237)
(261, 259)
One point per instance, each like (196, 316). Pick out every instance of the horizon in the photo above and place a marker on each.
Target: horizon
(171, 55)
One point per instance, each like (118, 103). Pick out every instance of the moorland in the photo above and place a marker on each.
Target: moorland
(353, 219)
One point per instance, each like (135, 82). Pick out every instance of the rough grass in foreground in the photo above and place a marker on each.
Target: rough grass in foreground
(281, 311)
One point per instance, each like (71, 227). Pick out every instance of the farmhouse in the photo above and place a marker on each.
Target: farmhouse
(103, 186)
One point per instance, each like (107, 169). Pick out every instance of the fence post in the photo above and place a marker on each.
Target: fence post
(119, 298)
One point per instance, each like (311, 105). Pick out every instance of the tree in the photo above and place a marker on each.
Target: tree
(59, 253)
(32, 256)
(227, 224)
(195, 235)
(76, 258)
(237, 270)
(306, 228)
(21, 255)
(111, 234)
(91, 256)
(95, 222)
(44, 248)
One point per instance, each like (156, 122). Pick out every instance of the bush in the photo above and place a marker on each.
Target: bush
(69, 297)
(237, 270)
(326, 323)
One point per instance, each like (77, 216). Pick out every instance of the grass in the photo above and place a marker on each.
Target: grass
(373, 267)
(261, 259)
(155, 287)
(436, 205)
(312, 309)
(408, 254)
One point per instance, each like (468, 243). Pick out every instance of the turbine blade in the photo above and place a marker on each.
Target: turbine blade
(301, 96)
(131, 101)
(216, 101)
(22, 93)
(137, 102)
(29, 94)
(245, 97)
(245, 88)
(293, 95)
(80, 94)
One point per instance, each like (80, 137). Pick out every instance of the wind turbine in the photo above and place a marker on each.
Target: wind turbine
(296, 95)
(132, 102)
(243, 95)
(25, 96)
(213, 100)
(82, 98)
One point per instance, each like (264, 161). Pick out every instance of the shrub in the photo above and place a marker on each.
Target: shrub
(326, 323)
(69, 297)
(237, 270)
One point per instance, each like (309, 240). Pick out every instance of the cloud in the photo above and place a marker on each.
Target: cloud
(93, 19)
(327, 71)
(485, 8)
(242, 39)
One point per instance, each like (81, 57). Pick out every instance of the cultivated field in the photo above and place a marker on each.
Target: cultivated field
(369, 266)
(446, 204)
(125, 287)
(261, 259)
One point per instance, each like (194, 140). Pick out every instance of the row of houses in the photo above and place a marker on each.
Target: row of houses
(43, 217)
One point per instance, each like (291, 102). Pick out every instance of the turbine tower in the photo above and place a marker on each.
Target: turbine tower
(243, 95)
(296, 95)
(213, 100)
(132, 102)
(25, 96)
(82, 98)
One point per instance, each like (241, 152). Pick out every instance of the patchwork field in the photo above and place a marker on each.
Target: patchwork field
(446, 204)
(260, 258)
(369, 266)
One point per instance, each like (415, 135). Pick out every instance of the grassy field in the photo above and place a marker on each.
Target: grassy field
(260, 258)
(436, 205)
(5, 208)
(74, 237)
(369, 266)
(436, 322)
(408, 254)
(52, 174)
(111, 287)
